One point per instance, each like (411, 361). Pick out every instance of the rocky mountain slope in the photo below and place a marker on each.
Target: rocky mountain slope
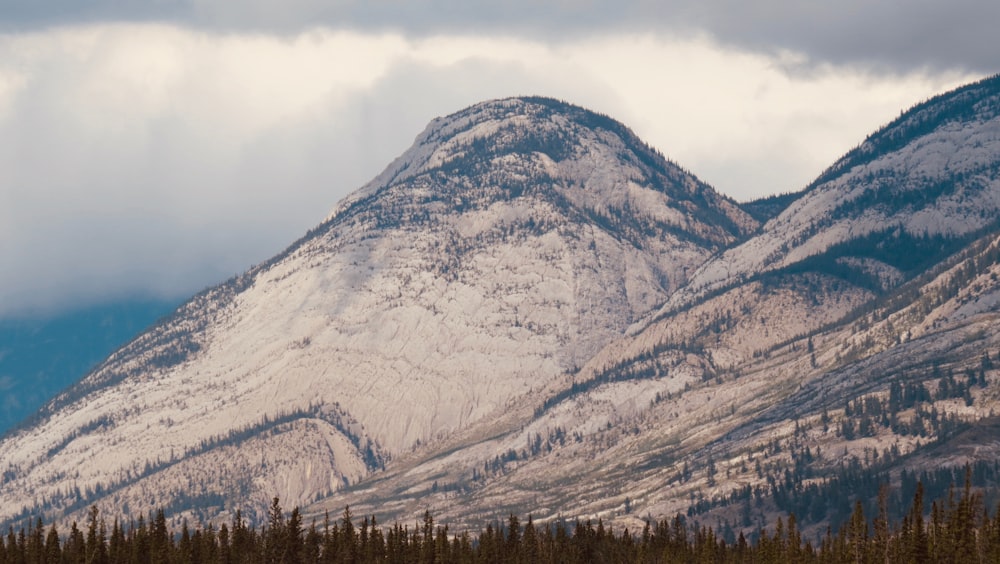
(512, 242)
(879, 279)
(910, 194)
(531, 311)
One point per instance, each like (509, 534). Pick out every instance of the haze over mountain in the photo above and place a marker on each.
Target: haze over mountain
(530, 310)
(40, 357)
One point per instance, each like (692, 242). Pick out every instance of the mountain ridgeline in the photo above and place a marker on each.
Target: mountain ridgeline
(532, 311)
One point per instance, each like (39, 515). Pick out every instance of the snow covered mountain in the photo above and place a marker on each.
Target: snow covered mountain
(511, 243)
(857, 329)
(929, 178)
(532, 311)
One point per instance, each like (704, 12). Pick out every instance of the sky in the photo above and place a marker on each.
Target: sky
(154, 148)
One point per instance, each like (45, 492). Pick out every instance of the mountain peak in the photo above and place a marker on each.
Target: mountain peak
(514, 240)
(455, 334)
(930, 178)
(572, 157)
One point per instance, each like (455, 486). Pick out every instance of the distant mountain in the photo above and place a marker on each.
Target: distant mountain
(42, 355)
(512, 242)
(530, 311)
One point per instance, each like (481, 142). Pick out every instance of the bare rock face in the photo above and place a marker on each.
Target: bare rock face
(512, 242)
(531, 311)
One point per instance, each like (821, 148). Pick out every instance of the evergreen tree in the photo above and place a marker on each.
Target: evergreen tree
(159, 541)
(116, 548)
(53, 550)
(348, 541)
(312, 546)
(76, 549)
(225, 548)
(96, 545)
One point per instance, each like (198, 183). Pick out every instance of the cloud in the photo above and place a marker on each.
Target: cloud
(149, 159)
(894, 35)
(153, 159)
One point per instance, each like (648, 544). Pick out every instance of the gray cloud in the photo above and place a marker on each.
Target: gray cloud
(891, 35)
(897, 34)
(103, 197)
(155, 160)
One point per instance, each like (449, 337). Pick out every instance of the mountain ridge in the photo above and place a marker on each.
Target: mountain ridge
(486, 280)
(532, 311)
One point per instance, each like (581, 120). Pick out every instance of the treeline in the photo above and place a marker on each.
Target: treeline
(957, 529)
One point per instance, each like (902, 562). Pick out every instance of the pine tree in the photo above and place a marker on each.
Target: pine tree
(530, 542)
(427, 549)
(76, 549)
(140, 549)
(225, 547)
(312, 545)
(377, 543)
(513, 543)
(962, 520)
(348, 539)
(242, 544)
(185, 548)
(274, 537)
(857, 533)
(53, 550)
(96, 545)
(116, 549)
(293, 541)
(159, 541)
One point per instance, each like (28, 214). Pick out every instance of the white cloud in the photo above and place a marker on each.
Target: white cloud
(742, 121)
(157, 159)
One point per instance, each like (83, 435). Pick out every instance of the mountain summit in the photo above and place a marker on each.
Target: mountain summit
(531, 311)
(512, 242)
(851, 339)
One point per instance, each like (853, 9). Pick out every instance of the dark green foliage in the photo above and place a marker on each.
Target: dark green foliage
(911, 254)
(766, 208)
(959, 529)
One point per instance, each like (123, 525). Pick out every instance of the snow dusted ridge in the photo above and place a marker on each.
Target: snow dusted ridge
(509, 245)
(741, 380)
(935, 171)
(532, 311)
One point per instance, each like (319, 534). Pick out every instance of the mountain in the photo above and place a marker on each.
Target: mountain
(511, 243)
(854, 334)
(42, 355)
(530, 311)
(910, 194)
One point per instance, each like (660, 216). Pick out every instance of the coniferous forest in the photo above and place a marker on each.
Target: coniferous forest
(958, 528)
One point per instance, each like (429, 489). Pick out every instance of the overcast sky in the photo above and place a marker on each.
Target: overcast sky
(158, 147)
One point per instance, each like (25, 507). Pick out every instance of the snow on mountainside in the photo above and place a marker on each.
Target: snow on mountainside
(857, 328)
(933, 173)
(509, 245)
(532, 312)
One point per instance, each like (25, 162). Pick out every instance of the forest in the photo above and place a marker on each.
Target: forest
(958, 528)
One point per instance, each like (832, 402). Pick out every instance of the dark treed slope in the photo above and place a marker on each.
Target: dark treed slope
(958, 528)
(766, 208)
